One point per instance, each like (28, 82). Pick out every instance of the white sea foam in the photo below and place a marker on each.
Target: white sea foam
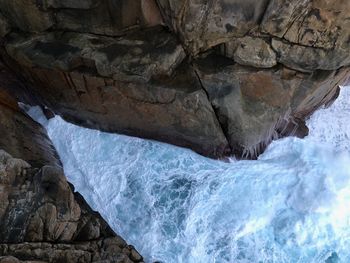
(291, 205)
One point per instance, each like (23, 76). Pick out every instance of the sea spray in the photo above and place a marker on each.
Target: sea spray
(290, 205)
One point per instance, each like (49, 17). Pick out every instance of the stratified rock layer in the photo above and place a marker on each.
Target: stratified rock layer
(220, 77)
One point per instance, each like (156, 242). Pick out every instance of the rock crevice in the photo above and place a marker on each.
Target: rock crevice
(220, 77)
(130, 74)
(41, 218)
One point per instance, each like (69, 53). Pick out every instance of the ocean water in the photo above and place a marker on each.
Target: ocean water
(173, 205)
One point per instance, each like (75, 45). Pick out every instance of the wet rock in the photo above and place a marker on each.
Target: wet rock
(174, 109)
(256, 106)
(123, 85)
(83, 252)
(41, 218)
(127, 66)
(219, 77)
(135, 255)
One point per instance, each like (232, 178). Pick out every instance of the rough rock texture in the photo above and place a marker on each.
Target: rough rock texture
(123, 84)
(202, 24)
(107, 17)
(256, 106)
(220, 77)
(41, 218)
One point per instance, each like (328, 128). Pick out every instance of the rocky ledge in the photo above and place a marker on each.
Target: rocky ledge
(220, 77)
(41, 217)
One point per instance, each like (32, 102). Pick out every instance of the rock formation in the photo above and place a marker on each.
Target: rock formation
(41, 218)
(220, 77)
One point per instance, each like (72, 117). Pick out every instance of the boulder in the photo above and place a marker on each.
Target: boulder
(255, 106)
(123, 85)
(26, 15)
(219, 77)
(41, 218)
(250, 51)
(106, 17)
(202, 24)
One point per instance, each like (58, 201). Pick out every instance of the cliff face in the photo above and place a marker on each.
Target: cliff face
(220, 77)
(41, 218)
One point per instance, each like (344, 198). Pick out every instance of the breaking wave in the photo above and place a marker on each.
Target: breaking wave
(173, 205)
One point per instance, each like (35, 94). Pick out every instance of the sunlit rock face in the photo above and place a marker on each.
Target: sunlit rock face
(178, 71)
(290, 205)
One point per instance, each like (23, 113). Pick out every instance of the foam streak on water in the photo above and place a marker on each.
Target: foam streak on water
(291, 205)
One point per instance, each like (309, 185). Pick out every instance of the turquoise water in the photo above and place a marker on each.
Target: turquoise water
(290, 205)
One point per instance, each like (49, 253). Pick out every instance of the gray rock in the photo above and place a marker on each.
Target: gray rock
(280, 15)
(309, 59)
(26, 15)
(40, 216)
(311, 34)
(74, 4)
(132, 58)
(256, 106)
(254, 52)
(204, 24)
(4, 26)
(109, 68)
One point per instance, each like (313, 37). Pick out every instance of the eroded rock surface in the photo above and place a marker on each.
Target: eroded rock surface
(41, 218)
(255, 106)
(123, 84)
(106, 17)
(220, 77)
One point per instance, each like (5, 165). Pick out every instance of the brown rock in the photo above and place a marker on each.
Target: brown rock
(77, 4)
(315, 33)
(251, 51)
(174, 110)
(99, 17)
(257, 106)
(134, 255)
(309, 59)
(40, 216)
(280, 15)
(131, 58)
(4, 26)
(99, 64)
(204, 24)
(25, 15)
(9, 260)
(144, 96)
